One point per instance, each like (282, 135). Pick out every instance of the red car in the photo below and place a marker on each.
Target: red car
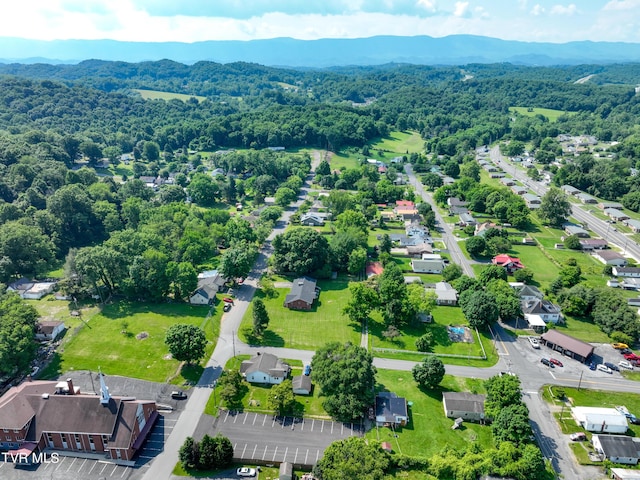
(555, 361)
(631, 356)
(227, 300)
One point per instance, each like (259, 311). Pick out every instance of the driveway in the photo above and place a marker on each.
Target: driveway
(258, 437)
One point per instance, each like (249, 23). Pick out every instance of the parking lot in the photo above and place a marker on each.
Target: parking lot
(264, 438)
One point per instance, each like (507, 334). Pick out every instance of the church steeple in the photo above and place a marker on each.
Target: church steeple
(104, 390)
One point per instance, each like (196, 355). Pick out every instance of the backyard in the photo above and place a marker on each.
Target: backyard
(128, 339)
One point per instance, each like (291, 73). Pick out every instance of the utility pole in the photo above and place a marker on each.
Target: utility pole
(580, 381)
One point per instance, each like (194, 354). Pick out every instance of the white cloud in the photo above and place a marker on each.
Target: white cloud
(537, 10)
(429, 5)
(461, 9)
(618, 5)
(570, 9)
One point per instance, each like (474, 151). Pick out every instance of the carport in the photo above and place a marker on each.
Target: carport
(569, 346)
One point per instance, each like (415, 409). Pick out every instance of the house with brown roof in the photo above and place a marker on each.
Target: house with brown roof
(49, 330)
(568, 345)
(57, 416)
(593, 243)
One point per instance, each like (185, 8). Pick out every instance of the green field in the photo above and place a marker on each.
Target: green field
(550, 114)
(104, 342)
(307, 330)
(428, 429)
(159, 95)
(400, 143)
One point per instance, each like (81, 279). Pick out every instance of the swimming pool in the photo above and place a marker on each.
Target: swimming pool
(457, 330)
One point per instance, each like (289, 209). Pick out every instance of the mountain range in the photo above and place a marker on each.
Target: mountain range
(422, 50)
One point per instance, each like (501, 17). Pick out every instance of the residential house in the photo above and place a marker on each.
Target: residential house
(617, 448)
(567, 345)
(427, 266)
(31, 289)
(610, 257)
(391, 410)
(626, 271)
(527, 292)
(204, 295)
(405, 240)
(624, 474)
(409, 218)
(600, 420)
(508, 181)
(311, 219)
(56, 416)
(629, 283)
(465, 405)
(416, 230)
(490, 167)
(571, 229)
(615, 214)
(458, 210)
(446, 180)
(519, 189)
(405, 203)
(533, 201)
(605, 205)
(511, 264)
(416, 251)
(400, 211)
(49, 330)
(466, 219)
(397, 160)
(445, 294)
(633, 225)
(149, 181)
(374, 268)
(302, 294)
(482, 228)
(456, 202)
(569, 190)
(538, 312)
(265, 368)
(302, 384)
(589, 244)
(498, 174)
(586, 198)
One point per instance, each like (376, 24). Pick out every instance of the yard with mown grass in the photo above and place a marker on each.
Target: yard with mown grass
(307, 330)
(428, 429)
(113, 340)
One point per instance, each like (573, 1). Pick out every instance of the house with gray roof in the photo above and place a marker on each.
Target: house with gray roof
(507, 181)
(528, 292)
(610, 257)
(569, 190)
(566, 344)
(532, 201)
(538, 312)
(445, 294)
(626, 271)
(615, 214)
(465, 405)
(312, 219)
(265, 368)
(302, 384)
(427, 266)
(605, 205)
(586, 198)
(571, 229)
(391, 410)
(466, 219)
(617, 448)
(302, 294)
(519, 189)
(633, 224)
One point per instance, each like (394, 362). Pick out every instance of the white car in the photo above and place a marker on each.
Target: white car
(246, 472)
(603, 368)
(535, 343)
(625, 364)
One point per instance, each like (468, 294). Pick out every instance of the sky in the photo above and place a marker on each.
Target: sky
(199, 20)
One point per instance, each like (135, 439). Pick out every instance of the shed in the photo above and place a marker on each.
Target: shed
(286, 471)
(49, 330)
(465, 405)
(302, 294)
(624, 474)
(568, 345)
(302, 384)
(601, 420)
(617, 448)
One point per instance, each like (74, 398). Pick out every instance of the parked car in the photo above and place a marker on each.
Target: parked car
(612, 366)
(546, 362)
(555, 361)
(625, 364)
(631, 356)
(246, 472)
(624, 351)
(578, 437)
(307, 370)
(619, 346)
(178, 395)
(227, 307)
(227, 300)
(535, 343)
(603, 368)
(625, 411)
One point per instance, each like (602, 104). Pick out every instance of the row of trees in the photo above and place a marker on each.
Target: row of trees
(210, 453)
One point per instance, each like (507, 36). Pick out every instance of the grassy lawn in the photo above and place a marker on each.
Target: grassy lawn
(550, 114)
(346, 159)
(92, 345)
(400, 143)
(265, 473)
(307, 330)
(49, 308)
(428, 429)
(159, 95)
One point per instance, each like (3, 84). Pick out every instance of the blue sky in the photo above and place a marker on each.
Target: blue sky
(198, 20)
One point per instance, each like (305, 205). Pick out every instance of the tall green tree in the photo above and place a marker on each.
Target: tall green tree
(260, 317)
(237, 260)
(429, 373)
(554, 208)
(281, 399)
(364, 299)
(480, 310)
(17, 329)
(24, 251)
(352, 458)
(186, 342)
(300, 251)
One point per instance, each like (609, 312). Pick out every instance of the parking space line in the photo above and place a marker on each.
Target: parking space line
(244, 450)
(227, 416)
(302, 425)
(274, 422)
(322, 427)
(245, 418)
(284, 420)
(60, 464)
(332, 428)
(235, 445)
(85, 461)
(92, 467)
(296, 457)
(113, 471)
(285, 454)
(305, 456)
(254, 451)
(317, 455)
(274, 454)
(74, 461)
(342, 429)
(103, 467)
(123, 472)
(235, 418)
(254, 419)
(313, 422)
(264, 420)
(265, 452)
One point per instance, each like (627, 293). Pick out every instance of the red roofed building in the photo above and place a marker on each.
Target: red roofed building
(511, 264)
(374, 268)
(404, 203)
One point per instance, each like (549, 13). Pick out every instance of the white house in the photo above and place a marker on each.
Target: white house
(265, 368)
(427, 266)
(49, 330)
(609, 257)
(626, 271)
(31, 289)
(203, 296)
(538, 312)
(617, 448)
(445, 294)
(601, 420)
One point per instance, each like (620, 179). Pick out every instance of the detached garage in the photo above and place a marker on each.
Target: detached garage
(567, 345)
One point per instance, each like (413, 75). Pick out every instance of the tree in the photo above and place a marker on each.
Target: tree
(151, 151)
(512, 424)
(346, 377)
(554, 208)
(237, 260)
(148, 278)
(284, 196)
(572, 242)
(424, 342)
(230, 388)
(502, 391)
(570, 275)
(364, 299)
(203, 190)
(215, 452)
(185, 279)
(186, 342)
(260, 317)
(271, 214)
(189, 454)
(357, 261)
(480, 310)
(281, 399)
(354, 457)
(17, 329)
(611, 313)
(475, 246)
(300, 251)
(385, 243)
(394, 300)
(523, 275)
(351, 219)
(451, 272)
(431, 181)
(420, 299)
(429, 373)
(492, 272)
(24, 250)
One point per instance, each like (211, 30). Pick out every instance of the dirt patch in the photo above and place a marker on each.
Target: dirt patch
(168, 356)
(460, 334)
(142, 335)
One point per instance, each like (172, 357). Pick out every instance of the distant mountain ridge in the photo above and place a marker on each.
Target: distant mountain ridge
(422, 50)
